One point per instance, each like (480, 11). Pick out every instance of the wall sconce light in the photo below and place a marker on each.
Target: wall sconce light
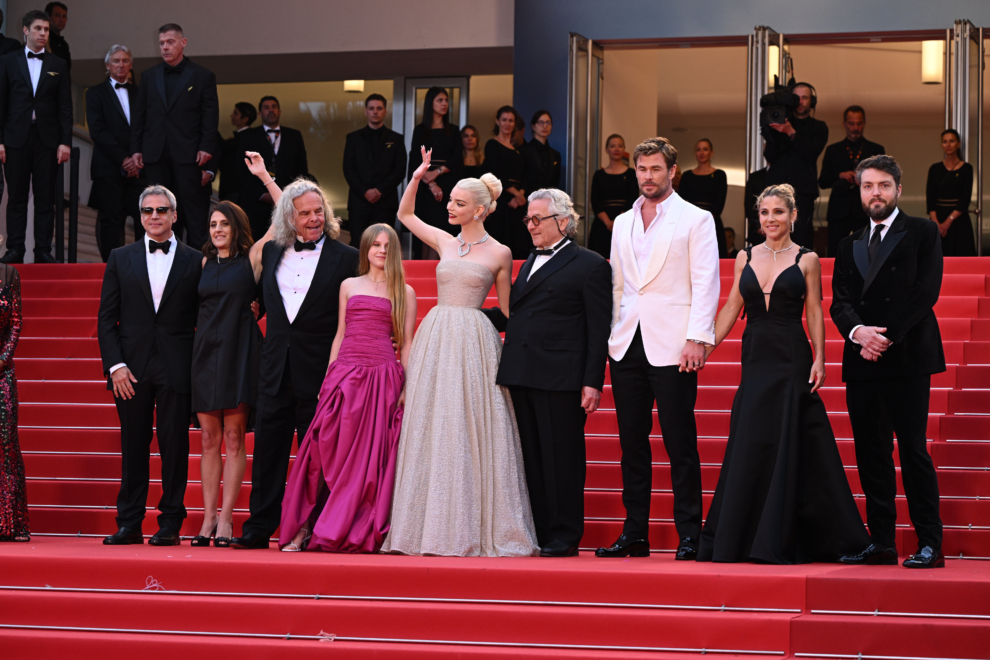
(932, 62)
(354, 86)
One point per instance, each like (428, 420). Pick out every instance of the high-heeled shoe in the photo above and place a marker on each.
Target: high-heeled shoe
(223, 541)
(293, 547)
(203, 541)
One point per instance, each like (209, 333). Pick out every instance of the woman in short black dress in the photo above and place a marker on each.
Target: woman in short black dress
(706, 188)
(948, 194)
(613, 190)
(473, 155)
(507, 163)
(438, 135)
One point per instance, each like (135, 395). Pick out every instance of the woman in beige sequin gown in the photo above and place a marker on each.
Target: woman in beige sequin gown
(460, 487)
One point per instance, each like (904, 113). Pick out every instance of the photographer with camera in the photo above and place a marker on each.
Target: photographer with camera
(794, 140)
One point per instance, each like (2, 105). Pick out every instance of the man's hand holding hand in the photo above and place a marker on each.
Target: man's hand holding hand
(692, 357)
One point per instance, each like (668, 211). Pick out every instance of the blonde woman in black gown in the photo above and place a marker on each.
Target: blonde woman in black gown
(782, 494)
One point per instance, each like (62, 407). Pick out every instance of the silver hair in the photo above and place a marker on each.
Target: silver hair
(113, 49)
(158, 190)
(560, 205)
(284, 214)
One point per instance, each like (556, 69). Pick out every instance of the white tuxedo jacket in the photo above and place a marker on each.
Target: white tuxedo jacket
(676, 299)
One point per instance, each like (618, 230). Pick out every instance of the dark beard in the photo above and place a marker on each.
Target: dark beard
(663, 186)
(880, 213)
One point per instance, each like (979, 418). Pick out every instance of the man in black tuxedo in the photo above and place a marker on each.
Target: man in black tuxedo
(232, 155)
(792, 149)
(553, 362)
(57, 44)
(147, 321)
(374, 166)
(35, 136)
(284, 153)
(117, 181)
(885, 284)
(303, 268)
(174, 129)
(845, 210)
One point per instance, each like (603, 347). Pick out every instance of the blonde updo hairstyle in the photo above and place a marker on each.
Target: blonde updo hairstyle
(484, 191)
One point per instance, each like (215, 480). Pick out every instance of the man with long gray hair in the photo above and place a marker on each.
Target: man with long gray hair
(553, 362)
(303, 267)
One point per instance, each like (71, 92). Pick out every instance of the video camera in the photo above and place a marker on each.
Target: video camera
(779, 105)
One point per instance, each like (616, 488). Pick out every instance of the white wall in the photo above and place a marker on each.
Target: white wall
(629, 96)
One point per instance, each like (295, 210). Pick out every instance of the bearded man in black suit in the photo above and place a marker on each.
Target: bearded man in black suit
(885, 284)
(174, 129)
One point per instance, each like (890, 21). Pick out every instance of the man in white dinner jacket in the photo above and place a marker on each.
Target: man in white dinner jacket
(665, 287)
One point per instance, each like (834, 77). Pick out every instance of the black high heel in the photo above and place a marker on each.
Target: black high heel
(203, 541)
(222, 541)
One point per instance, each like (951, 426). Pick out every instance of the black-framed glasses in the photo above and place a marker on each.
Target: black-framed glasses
(536, 220)
(162, 210)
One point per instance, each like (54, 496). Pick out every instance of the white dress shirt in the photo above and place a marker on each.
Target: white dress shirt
(123, 97)
(294, 275)
(34, 68)
(885, 224)
(643, 238)
(278, 138)
(159, 265)
(543, 258)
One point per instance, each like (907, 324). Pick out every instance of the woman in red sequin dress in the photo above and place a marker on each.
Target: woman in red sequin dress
(13, 494)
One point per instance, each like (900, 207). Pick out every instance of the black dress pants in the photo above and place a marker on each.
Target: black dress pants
(31, 167)
(154, 404)
(277, 418)
(874, 407)
(117, 197)
(361, 217)
(804, 229)
(551, 432)
(636, 386)
(185, 180)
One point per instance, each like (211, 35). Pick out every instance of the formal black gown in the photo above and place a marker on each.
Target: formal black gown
(612, 194)
(708, 192)
(949, 191)
(447, 150)
(473, 171)
(782, 495)
(227, 348)
(505, 224)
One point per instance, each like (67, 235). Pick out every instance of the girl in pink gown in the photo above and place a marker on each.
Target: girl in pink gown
(339, 492)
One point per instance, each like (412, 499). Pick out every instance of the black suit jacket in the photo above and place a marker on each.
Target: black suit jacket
(288, 165)
(844, 201)
(51, 105)
(556, 336)
(59, 46)
(109, 129)
(306, 342)
(897, 291)
(8, 45)
(374, 159)
(231, 163)
(795, 160)
(542, 166)
(128, 325)
(188, 124)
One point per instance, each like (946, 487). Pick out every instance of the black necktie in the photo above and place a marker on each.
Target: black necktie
(120, 85)
(272, 135)
(155, 245)
(299, 246)
(36, 56)
(875, 241)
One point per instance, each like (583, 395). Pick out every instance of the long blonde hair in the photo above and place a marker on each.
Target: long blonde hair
(395, 276)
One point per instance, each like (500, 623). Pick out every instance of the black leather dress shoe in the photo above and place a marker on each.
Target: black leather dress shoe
(927, 557)
(44, 258)
(557, 548)
(165, 537)
(125, 536)
(250, 541)
(12, 257)
(873, 555)
(685, 551)
(626, 546)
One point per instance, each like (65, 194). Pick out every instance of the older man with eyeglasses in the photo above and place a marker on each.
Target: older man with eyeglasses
(553, 362)
(147, 322)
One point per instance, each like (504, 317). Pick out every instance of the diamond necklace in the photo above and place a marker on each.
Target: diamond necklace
(776, 252)
(464, 248)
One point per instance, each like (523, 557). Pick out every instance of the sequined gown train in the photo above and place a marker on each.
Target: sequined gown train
(13, 492)
(460, 488)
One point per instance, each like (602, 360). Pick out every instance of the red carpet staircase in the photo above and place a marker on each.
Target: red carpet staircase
(64, 592)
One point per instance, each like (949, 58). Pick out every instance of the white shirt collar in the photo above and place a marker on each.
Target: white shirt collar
(558, 243)
(27, 49)
(662, 207)
(271, 128)
(113, 82)
(242, 128)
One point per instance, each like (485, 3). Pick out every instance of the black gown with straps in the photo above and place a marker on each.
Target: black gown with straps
(782, 495)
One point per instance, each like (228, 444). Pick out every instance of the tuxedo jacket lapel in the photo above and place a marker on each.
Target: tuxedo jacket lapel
(23, 64)
(668, 225)
(628, 254)
(887, 245)
(521, 279)
(46, 66)
(115, 101)
(160, 82)
(179, 86)
(325, 269)
(179, 263)
(269, 276)
(549, 268)
(139, 265)
(861, 254)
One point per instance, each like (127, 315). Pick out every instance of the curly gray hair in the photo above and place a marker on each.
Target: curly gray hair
(560, 205)
(284, 214)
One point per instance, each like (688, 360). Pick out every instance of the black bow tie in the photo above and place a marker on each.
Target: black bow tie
(549, 251)
(36, 56)
(155, 245)
(299, 246)
(272, 130)
(120, 85)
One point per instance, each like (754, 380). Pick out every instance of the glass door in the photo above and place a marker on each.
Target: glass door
(585, 73)
(966, 112)
(416, 88)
